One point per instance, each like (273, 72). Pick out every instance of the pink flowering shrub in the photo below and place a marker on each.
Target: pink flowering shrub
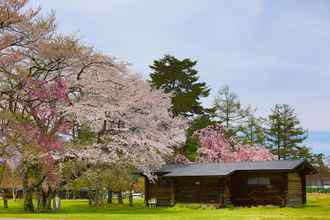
(216, 147)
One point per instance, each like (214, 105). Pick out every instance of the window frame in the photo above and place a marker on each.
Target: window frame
(259, 181)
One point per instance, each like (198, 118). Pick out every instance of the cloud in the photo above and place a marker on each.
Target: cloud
(269, 52)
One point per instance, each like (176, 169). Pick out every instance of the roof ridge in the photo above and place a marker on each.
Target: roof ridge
(234, 162)
(224, 169)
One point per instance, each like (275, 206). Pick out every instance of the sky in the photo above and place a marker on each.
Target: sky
(268, 52)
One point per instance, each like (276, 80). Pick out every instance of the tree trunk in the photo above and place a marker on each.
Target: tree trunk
(90, 197)
(49, 200)
(14, 193)
(42, 198)
(57, 200)
(278, 142)
(45, 201)
(120, 198)
(14, 185)
(130, 198)
(28, 203)
(38, 197)
(109, 201)
(27, 194)
(98, 199)
(5, 200)
(5, 203)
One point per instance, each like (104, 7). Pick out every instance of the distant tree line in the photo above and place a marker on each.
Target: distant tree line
(280, 131)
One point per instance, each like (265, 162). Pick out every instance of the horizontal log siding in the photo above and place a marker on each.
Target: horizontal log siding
(295, 190)
(285, 189)
(243, 194)
(198, 189)
(162, 191)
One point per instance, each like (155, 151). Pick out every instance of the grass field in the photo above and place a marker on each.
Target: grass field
(318, 207)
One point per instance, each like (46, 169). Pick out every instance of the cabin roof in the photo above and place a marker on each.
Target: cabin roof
(225, 169)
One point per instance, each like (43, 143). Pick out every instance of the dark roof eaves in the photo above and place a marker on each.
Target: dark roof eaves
(229, 172)
(304, 161)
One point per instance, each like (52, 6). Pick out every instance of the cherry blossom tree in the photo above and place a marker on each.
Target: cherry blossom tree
(35, 62)
(133, 121)
(216, 147)
(49, 82)
(28, 124)
(33, 130)
(181, 159)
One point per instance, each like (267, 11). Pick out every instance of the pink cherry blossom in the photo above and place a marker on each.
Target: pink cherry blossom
(181, 159)
(216, 147)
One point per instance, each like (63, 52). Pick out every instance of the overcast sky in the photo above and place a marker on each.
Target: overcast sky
(268, 52)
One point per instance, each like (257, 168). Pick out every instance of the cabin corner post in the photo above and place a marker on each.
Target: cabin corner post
(303, 188)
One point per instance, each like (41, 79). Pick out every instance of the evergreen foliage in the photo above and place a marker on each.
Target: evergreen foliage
(180, 78)
(284, 134)
(252, 131)
(229, 111)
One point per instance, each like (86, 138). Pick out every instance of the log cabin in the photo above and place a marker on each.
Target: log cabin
(281, 183)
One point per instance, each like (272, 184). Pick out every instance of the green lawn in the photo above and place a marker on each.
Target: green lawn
(318, 207)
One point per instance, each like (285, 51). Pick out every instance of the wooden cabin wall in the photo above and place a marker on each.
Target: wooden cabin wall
(284, 189)
(295, 190)
(243, 194)
(198, 189)
(226, 192)
(162, 190)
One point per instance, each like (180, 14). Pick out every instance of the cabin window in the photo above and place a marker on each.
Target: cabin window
(260, 181)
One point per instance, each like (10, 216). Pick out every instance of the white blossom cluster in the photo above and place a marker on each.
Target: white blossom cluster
(133, 119)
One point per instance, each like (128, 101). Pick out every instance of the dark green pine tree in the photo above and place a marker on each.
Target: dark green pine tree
(284, 134)
(252, 131)
(180, 78)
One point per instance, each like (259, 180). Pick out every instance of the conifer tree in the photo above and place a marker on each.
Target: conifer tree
(180, 78)
(229, 111)
(252, 131)
(284, 134)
